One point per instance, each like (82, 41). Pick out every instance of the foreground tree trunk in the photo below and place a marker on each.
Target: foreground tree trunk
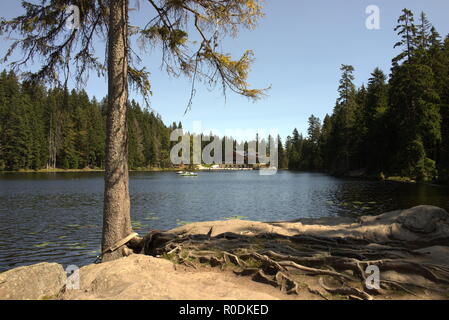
(116, 215)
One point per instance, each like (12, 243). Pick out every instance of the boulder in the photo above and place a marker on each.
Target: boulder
(424, 219)
(35, 282)
(419, 226)
(423, 224)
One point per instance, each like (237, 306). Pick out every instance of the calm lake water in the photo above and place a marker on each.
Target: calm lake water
(57, 217)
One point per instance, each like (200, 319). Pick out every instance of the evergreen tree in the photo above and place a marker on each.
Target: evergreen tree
(406, 29)
(345, 111)
(282, 156)
(443, 165)
(325, 143)
(414, 105)
(312, 159)
(376, 107)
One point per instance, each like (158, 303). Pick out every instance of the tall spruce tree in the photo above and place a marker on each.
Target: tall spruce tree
(41, 33)
(414, 103)
(345, 111)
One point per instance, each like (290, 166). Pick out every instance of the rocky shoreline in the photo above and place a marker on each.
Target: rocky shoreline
(238, 259)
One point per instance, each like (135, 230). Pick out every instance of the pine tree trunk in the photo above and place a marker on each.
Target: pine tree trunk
(116, 215)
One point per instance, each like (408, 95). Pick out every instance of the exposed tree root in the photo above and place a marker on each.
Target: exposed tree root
(337, 265)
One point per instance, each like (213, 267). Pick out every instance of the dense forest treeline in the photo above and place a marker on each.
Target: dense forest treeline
(394, 126)
(54, 128)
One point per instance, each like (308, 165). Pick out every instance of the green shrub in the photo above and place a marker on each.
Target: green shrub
(426, 170)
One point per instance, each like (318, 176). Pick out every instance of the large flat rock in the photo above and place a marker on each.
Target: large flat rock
(420, 226)
(40, 281)
(140, 277)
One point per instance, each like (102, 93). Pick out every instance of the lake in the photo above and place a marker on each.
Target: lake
(57, 217)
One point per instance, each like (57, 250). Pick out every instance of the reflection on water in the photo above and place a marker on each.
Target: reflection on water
(57, 217)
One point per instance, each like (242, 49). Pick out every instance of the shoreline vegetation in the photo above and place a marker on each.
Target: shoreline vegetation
(307, 259)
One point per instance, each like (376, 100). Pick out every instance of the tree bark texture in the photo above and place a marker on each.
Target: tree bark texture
(116, 215)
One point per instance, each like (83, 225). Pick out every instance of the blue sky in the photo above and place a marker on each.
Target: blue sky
(299, 47)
